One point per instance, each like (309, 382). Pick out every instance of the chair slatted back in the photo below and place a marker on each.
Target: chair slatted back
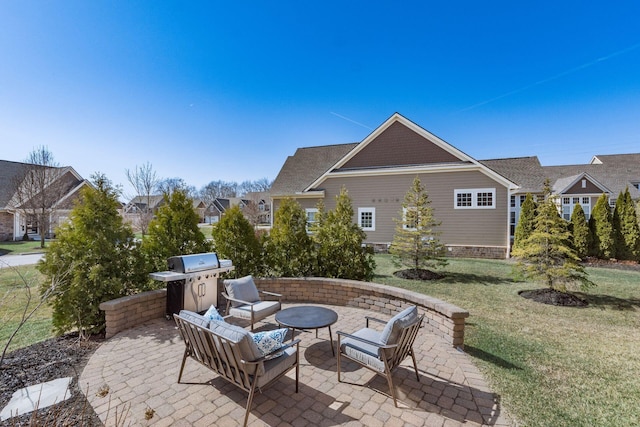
(216, 353)
(405, 343)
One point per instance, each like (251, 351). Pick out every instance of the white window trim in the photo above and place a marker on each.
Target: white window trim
(373, 218)
(474, 198)
(309, 223)
(404, 220)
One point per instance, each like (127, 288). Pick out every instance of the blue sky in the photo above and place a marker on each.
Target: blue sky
(227, 90)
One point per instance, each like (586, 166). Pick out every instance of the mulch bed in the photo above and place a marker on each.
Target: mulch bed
(48, 360)
(553, 297)
(418, 274)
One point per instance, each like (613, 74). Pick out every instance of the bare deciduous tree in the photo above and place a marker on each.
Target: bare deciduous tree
(39, 188)
(145, 182)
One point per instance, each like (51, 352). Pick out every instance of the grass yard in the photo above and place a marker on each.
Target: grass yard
(13, 300)
(552, 366)
(16, 248)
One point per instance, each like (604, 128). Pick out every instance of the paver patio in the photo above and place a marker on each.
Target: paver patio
(139, 368)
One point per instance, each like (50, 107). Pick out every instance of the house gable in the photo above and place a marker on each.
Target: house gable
(398, 145)
(580, 184)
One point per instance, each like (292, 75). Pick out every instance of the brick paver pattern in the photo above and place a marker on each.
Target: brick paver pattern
(134, 375)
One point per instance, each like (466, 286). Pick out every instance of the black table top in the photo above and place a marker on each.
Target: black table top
(306, 317)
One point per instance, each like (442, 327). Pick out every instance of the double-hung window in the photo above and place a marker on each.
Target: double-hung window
(475, 198)
(311, 218)
(367, 219)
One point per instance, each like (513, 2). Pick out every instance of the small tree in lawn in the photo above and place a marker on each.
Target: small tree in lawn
(93, 259)
(602, 229)
(525, 221)
(234, 238)
(289, 248)
(339, 243)
(415, 242)
(546, 255)
(579, 231)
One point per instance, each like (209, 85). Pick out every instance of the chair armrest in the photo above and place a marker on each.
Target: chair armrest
(373, 343)
(374, 319)
(273, 294)
(238, 300)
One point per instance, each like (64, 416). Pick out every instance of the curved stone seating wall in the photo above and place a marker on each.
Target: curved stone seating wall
(441, 318)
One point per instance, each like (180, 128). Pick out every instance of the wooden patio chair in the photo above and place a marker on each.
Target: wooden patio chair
(382, 352)
(244, 302)
(230, 351)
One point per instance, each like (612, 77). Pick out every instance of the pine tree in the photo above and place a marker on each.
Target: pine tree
(174, 231)
(415, 242)
(94, 259)
(627, 228)
(579, 231)
(234, 238)
(339, 243)
(546, 254)
(289, 248)
(603, 236)
(525, 221)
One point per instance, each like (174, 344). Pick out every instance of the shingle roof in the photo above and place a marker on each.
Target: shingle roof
(524, 171)
(306, 165)
(614, 171)
(8, 172)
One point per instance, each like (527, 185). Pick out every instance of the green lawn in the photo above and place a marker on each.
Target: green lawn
(16, 248)
(14, 296)
(552, 366)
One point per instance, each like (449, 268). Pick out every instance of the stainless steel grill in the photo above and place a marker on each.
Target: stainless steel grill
(192, 281)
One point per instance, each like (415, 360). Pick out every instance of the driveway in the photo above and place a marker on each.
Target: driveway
(16, 260)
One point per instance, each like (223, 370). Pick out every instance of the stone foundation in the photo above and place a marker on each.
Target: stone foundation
(441, 318)
(487, 252)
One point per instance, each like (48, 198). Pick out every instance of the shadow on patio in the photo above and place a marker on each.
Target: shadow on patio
(140, 368)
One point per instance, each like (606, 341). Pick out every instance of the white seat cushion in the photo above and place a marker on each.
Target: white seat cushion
(260, 310)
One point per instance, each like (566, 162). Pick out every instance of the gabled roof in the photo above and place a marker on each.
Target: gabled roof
(12, 171)
(396, 146)
(564, 184)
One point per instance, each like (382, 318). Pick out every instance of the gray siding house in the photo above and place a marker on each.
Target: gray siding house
(470, 199)
(477, 201)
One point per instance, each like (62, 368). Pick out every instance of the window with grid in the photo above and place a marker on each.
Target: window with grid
(464, 200)
(477, 198)
(311, 218)
(367, 218)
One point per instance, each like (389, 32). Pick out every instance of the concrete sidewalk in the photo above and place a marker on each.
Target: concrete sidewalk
(17, 260)
(136, 371)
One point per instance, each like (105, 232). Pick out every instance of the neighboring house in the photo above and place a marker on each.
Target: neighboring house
(470, 199)
(140, 204)
(570, 184)
(219, 206)
(15, 221)
(258, 208)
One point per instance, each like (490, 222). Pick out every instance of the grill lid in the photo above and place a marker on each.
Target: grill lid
(194, 262)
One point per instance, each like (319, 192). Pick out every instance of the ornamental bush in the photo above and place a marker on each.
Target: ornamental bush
(234, 238)
(94, 259)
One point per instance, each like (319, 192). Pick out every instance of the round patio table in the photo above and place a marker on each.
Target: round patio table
(308, 317)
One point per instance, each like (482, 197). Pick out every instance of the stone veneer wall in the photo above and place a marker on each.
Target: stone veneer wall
(486, 252)
(441, 318)
(126, 312)
(6, 226)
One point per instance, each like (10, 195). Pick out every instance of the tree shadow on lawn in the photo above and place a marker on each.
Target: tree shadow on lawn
(451, 277)
(607, 301)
